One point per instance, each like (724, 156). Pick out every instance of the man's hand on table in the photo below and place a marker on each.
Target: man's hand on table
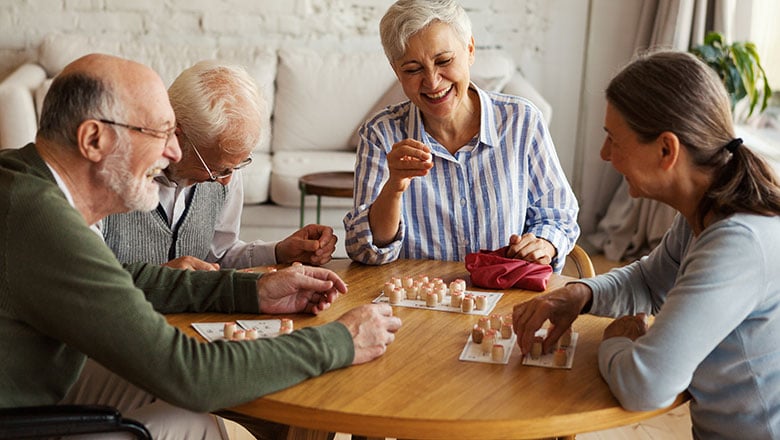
(189, 262)
(561, 307)
(373, 327)
(312, 244)
(299, 288)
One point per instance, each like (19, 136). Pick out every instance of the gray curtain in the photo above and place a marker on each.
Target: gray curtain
(632, 227)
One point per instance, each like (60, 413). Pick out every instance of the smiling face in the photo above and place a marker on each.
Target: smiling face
(123, 175)
(434, 71)
(633, 159)
(138, 156)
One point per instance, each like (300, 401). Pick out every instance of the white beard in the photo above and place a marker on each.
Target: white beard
(137, 194)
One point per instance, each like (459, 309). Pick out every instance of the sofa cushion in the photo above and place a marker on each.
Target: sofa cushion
(256, 177)
(323, 97)
(289, 166)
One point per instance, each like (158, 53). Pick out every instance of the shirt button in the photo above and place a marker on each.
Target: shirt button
(462, 202)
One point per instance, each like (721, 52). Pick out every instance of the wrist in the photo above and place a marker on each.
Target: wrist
(585, 295)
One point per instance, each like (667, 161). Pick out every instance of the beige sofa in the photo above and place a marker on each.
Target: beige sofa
(318, 100)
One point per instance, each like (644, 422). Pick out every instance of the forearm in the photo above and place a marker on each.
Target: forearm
(384, 216)
(176, 291)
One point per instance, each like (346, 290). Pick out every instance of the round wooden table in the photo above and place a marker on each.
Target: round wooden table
(331, 184)
(420, 389)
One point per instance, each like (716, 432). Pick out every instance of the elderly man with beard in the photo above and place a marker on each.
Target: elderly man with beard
(106, 129)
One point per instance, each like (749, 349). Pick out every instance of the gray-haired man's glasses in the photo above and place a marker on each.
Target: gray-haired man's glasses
(224, 173)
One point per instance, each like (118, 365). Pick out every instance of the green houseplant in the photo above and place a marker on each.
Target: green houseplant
(739, 67)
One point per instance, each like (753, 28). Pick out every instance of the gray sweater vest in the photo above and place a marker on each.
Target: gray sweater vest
(145, 236)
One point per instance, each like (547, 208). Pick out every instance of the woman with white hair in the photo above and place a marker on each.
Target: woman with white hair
(454, 169)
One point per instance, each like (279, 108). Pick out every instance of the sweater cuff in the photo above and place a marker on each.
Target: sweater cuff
(341, 344)
(246, 292)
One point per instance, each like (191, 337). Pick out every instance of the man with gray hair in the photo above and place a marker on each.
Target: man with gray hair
(220, 119)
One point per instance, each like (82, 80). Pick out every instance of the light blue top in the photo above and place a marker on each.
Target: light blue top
(507, 180)
(716, 333)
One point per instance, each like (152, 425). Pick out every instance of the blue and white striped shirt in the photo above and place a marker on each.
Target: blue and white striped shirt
(506, 181)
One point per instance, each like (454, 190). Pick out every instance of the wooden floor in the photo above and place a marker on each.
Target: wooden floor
(674, 425)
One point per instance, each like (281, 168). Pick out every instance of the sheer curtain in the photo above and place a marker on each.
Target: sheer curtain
(632, 227)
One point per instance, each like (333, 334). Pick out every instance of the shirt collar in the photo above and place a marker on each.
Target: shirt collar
(96, 228)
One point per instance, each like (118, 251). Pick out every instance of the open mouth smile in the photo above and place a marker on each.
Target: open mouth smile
(439, 95)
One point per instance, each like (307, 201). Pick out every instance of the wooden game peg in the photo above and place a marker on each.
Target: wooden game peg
(481, 302)
(489, 340)
(497, 353)
(456, 299)
(230, 328)
(477, 334)
(414, 291)
(496, 321)
(396, 295)
(536, 348)
(468, 304)
(431, 299)
(506, 330)
(560, 358)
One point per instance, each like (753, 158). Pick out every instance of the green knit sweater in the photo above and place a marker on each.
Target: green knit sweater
(64, 296)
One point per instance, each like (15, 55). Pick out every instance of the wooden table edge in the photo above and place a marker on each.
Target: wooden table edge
(389, 426)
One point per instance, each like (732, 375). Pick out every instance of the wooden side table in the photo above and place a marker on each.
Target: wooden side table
(331, 184)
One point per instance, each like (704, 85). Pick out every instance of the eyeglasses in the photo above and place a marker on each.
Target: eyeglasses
(159, 134)
(224, 173)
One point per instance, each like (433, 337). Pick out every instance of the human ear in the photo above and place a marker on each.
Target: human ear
(669, 149)
(471, 50)
(92, 140)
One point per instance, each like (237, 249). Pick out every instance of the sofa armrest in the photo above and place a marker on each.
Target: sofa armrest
(29, 76)
(18, 123)
(18, 118)
(520, 86)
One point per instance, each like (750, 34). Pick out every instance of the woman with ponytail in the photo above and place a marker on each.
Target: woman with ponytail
(711, 284)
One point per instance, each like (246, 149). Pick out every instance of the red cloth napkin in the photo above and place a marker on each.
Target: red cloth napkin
(492, 270)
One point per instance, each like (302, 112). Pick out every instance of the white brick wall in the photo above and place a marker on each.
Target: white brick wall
(546, 38)
(516, 25)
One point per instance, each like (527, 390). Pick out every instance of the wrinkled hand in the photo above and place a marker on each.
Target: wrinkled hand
(561, 307)
(191, 263)
(373, 327)
(531, 248)
(407, 159)
(312, 244)
(630, 326)
(299, 288)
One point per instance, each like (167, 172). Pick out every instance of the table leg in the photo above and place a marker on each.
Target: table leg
(296, 433)
(319, 206)
(303, 204)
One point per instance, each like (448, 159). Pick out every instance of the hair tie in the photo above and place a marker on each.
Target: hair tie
(733, 145)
